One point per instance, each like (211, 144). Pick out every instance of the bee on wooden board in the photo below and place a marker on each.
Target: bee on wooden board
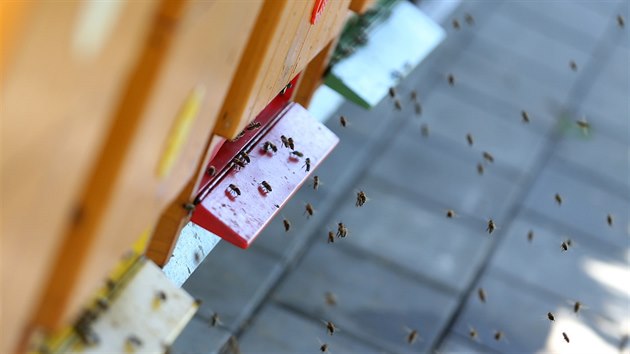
(269, 146)
(266, 186)
(234, 189)
(482, 295)
(469, 139)
(620, 21)
(307, 164)
(488, 157)
(330, 327)
(331, 237)
(558, 198)
(524, 117)
(309, 210)
(491, 226)
(361, 198)
(450, 213)
(342, 230)
(315, 182)
(480, 169)
(470, 20)
(331, 299)
(530, 235)
(297, 153)
(451, 79)
(287, 225)
(609, 220)
(566, 337)
(215, 320)
(456, 24)
(343, 121)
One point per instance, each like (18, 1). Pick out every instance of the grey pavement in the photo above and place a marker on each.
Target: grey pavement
(404, 265)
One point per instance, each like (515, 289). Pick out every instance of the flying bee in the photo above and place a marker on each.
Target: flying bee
(315, 182)
(530, 235)
(309, 210)
(297, 153)
(361, 198)
(488, 157)
(480, 169)
(323, 348)
(456, 24)
(584, 125)
(215, 320)
(565, 245)
(450, 213)
(609, 220)
(266, 186)
(398, 105)
(418, 108)
(482, 295)
(566, 337)
(253, 126)
(412, 337)
(491, 226)
(287, 225)
(331, 237)
(331, 299)
(558, 199)
(470, 20)
(211, 171)
(269, 146)
(551, 317)
(524, 117)
(577, 306)
(498, 335)
(291, 144)
(245, 157)
(424, 130)
(330, 328)
(307, 164)
(472, 333)
(573, 65)
(285, 141)
(343, 121)
(392, 92)
(620, 21)
(451, 79)
(342, 230)
(469, 139)
(233, 188)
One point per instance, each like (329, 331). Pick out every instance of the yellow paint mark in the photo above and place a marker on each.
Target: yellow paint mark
(180, 130)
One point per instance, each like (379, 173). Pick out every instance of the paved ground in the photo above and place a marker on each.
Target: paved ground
(404, 265)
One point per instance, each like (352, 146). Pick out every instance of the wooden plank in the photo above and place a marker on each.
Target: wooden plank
(187, 54)
(283, 43)
(312, 76)
(57, 103)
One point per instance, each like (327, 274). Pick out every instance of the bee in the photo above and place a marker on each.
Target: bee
(197, 257)
(307, 164)
(418, 108)
(524, 117)
(413, 95)
(297, 153)
(573, 65)
(480, 169)
(450, 213)
(323, 348)
(330, 298)
(558, 199)
(287, 225)
(488, 157)
(470, 20)
(211, 171)
(361, 199)
(451, 79)
(315, 182)
(551, 317)
(392, 92)
(342, 230)
(238, 162)
(424, 130)
(253, 126)
(309, 210)
(343, 121)
(482, 295)
(330, 328)
(456, 24)
(565, 245)
(469, 139)
(412, 336)
(566, 337)
(133, 342)
(530, 235)
(498, 335)
(240, 135)
(398, 104)
(235, 189)
(472, 333)
(577, 306)
(609, 220)
(266, 186)
(285, 141)
(331, 237)
(584, 125)
(269, 146)
(245, 157)
(291, 144)
(491, 226)
(160, 295)
(620, 21)
(215, 320)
